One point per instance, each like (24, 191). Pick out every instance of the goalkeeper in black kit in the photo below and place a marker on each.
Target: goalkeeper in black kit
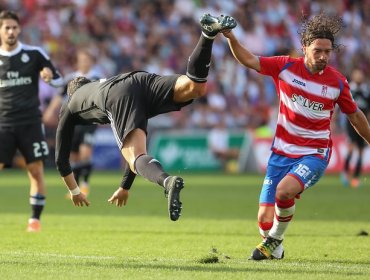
(127, 101)
(21, 128)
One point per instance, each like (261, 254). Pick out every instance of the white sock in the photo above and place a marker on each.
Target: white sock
(282, 218)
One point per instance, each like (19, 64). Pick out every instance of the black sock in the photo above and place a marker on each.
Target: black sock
(86, 171)
(346, 162)
(150, 168)
(76, 173)
(82, 168)
(200, 60)
(37, 202)
(357, 172)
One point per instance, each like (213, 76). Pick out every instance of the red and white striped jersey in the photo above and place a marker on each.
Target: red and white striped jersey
(306, 105)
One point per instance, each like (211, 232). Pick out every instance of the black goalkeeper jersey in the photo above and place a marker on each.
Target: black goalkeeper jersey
(19, 84)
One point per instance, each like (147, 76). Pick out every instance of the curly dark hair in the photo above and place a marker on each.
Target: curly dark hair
(75, 84)
(321, 26)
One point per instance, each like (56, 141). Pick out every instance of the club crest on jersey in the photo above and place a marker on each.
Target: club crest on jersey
(25, 58)
(324, 90)
(1, 62)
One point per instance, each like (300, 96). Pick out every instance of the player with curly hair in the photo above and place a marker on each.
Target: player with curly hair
(308, 90)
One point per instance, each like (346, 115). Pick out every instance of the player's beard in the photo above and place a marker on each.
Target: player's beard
(12, 41)
(319, 66)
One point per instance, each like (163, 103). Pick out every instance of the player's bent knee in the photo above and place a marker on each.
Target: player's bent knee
(198, 89)
(187, 89)
(284, 194)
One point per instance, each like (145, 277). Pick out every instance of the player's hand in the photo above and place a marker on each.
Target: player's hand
(119, 197)
(227, 33)
(79, 200)
(46, 74)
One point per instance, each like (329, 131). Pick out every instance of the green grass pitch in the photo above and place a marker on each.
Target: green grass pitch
(212, 240)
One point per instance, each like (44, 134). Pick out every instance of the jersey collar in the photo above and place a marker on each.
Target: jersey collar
(13, 52)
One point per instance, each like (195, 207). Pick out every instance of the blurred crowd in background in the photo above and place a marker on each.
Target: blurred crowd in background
(159, 35)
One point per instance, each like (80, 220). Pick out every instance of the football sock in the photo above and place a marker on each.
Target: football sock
(76, 173)
(37, 202)
(150, 168)
(200, 60)
(347, 161)
(82, 168)
(357, 171)
(86, 172)
(284, 211)
(264, 228)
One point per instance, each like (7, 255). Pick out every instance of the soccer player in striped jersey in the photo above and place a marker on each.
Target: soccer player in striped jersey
(21, 128)
(308, 90)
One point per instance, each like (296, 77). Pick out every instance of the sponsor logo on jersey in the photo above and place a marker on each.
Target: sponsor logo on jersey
(307, 103)
(13, 79)
(299, 82)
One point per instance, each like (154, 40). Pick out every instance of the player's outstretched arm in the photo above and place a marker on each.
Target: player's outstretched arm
(361, 124)
(119, 197)
(242, 54)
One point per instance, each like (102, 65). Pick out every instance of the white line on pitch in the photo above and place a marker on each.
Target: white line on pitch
(20, 253)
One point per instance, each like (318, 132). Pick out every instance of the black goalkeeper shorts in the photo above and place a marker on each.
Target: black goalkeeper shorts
(131, 102)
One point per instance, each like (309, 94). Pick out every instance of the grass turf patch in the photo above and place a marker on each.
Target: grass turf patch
(212, 240)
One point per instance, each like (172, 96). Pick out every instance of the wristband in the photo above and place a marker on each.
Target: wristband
(75, 191)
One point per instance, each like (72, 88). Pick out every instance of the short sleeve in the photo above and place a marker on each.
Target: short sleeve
(345, 100)
(273, 65)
